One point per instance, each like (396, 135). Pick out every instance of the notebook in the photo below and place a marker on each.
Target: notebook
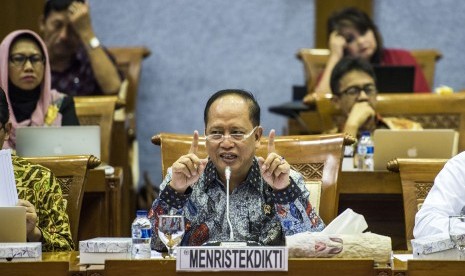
(56, 141)
(426, 143)
(13, 226)
(398, 79)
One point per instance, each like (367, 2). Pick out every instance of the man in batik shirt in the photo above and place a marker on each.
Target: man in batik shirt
(40, 193)
(268, 200)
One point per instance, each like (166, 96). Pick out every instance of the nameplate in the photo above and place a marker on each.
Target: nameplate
(211, 258)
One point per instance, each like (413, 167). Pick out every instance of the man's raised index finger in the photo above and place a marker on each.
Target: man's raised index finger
(271, 141)
(195, 143)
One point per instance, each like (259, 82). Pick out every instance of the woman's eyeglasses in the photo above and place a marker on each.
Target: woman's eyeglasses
(369, 89)
(19, 60)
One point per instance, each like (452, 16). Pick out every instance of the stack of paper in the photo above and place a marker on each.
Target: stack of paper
(97, 250)
(8, 193)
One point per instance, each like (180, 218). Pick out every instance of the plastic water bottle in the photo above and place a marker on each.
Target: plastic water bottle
(141, 235)
(365, 150)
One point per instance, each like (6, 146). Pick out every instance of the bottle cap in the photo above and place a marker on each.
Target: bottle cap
(366, 133)
(141, 213)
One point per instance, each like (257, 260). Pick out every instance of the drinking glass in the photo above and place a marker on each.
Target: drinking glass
(171, 230)
(457, 233)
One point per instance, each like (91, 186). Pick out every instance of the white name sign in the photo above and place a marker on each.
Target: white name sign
(211, 258)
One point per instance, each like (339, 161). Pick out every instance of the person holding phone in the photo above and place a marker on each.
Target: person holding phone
(268, 200)
(352, 33)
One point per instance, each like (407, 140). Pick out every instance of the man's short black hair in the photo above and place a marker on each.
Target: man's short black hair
(4, 110)
(57, 5)
(346, 65)
(254, 108)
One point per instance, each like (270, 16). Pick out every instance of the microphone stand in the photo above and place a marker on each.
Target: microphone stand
(227, 173)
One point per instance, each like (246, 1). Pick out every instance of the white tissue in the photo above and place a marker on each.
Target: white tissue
(348, 222)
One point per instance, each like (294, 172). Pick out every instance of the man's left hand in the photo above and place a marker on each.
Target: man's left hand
(274, 169)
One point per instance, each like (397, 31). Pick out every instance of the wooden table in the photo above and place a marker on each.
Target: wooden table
(101, 206)
(377, 195)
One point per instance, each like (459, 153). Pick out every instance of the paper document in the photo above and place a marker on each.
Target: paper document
(8, 193)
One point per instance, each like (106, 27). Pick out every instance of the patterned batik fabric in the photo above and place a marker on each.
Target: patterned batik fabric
(39, 186)
(257, 213)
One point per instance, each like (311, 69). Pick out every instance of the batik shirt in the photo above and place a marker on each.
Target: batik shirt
(257, 213)
(79, 78)
(39, 186)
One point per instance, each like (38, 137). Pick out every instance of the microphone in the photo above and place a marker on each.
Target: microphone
(227, 173)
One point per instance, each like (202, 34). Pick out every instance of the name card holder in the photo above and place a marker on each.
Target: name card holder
(213, 258)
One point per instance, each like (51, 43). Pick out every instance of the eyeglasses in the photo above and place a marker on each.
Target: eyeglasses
(237, 137)
(369, 89)
(19, 60)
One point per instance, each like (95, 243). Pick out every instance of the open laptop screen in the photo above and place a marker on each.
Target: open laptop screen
(390, 144)
(56, 141)
(394, 79)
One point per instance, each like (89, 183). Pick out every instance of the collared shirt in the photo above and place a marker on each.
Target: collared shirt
(79, 78)
(257, 213)
(39, 186)
(446, 198)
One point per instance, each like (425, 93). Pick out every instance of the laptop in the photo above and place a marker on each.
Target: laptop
(394, 79)
(426, 143)
(13, 224)
(57, 141)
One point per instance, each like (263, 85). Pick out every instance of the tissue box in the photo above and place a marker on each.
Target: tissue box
(431, 244)
(27, 251)
(97, 250)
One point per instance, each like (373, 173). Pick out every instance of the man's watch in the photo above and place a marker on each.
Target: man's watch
(94, 43)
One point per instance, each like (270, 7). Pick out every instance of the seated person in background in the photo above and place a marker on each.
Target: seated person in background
(268, 200)
(353, 34)
(446, 198)
(353, 83)
(40, 193)
(80, 65)
(25, 78)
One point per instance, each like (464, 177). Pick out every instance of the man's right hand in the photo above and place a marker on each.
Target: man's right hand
(187, 169)
(361, 113)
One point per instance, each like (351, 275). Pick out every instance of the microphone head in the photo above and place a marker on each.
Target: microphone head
(227, 172)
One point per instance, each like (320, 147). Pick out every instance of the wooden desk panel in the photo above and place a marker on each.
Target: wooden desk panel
(317, 266)
(101, 206)
(377, 196)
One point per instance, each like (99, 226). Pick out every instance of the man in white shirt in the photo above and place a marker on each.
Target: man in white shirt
(446, 198)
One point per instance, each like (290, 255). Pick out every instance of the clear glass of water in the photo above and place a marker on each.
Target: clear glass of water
(457, 233)
(171, 230)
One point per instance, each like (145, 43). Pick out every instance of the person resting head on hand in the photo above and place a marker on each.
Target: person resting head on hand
(25, 78)
(268, 200)
(352, 33)
(40, 193)
(353, 83)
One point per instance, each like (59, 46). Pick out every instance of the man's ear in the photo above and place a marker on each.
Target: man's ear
(258, 135)
(336, 101)
(41, 23)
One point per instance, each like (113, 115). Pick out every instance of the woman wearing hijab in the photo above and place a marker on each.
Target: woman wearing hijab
(25, 78)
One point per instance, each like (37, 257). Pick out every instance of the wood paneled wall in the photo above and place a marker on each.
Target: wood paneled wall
(20, 14)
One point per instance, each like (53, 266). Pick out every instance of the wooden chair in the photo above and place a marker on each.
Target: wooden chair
(71, 172)
(317, 157)
(315, 61)
(435, 267)
(99, 110)
(430, 110)
(417, 177)
(35, 268)
(125, 149)
(129, 61)
(302, 266)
